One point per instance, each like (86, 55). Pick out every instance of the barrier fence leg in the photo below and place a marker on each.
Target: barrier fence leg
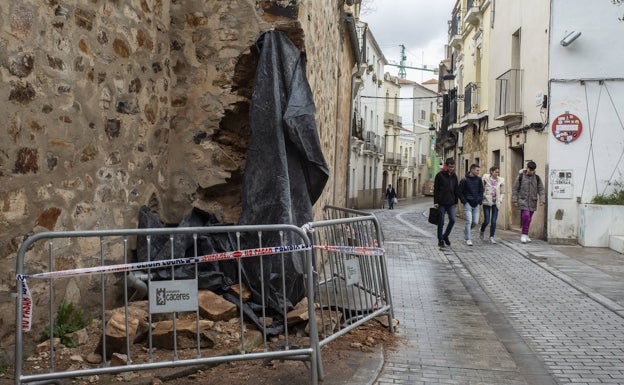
(316, 363)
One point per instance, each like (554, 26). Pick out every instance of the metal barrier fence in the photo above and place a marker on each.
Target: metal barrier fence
(351, 277)
(106, 264)
(345, 275)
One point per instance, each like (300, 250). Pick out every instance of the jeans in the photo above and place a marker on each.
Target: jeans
(450, 210)
(525, 219)
(487, 210)
(471, 216)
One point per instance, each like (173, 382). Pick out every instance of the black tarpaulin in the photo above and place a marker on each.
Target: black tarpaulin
(285, 170)
(214, 276)
(285, 173)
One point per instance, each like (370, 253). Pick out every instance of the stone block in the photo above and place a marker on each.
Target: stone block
(214, 307)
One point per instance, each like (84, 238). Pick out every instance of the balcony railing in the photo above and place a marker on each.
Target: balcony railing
(358, 126)
(455, 31)
(373, 142)
(473, 13)
(449, 109)
(392, 158)
(454, 24)
(508, 102)
(393, 119)
(471, 99)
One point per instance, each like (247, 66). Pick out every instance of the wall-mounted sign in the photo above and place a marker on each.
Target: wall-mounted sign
(561, 184)
(567, 127)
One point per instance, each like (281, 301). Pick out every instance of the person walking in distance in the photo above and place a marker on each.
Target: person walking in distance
(445, 199)
(492, 200)
(528, 192)
(390, 195)
(471, 195)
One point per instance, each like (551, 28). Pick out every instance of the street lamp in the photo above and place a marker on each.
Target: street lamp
(449, 81)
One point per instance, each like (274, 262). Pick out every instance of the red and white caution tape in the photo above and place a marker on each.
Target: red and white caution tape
(27, 304)
(356, 250)
(170, 262)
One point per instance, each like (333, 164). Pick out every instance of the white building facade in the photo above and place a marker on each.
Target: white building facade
(425, 110)
(367, 138)
(586, 113)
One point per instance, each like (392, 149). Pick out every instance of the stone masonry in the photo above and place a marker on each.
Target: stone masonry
(109, 105)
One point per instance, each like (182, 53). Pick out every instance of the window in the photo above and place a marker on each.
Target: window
(364, 178)
(496, 158)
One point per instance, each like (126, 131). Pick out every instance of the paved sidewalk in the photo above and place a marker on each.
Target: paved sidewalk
(508, 313)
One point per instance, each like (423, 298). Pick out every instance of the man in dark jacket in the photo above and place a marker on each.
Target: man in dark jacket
(390, 195)
(471, 196)
(445, 198)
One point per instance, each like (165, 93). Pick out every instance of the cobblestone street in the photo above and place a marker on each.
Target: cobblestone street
(494, 313)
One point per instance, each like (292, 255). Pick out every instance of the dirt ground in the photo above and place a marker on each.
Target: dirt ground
(341, 359)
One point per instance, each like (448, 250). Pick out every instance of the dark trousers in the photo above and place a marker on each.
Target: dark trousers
(450, 210)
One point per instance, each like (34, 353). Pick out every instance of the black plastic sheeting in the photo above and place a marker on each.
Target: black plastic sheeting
(285, 174)
(215, 276)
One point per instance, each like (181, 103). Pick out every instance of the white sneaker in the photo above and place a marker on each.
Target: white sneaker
(528, 239)
(468, 242)
(492, 240)
(523, 238)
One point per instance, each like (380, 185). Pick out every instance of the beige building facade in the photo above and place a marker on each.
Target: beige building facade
(518, 78)
(468, 83)
(495, 85)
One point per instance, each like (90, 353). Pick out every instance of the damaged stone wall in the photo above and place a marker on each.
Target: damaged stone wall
(109, 105)
(330, 65)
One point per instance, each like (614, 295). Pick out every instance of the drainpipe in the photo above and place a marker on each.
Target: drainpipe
(136, 280)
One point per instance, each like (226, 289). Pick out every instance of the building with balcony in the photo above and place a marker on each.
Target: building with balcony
(446, 140)
(410, 120)
(518, 78)
(465, 102)
(425, 120)
(394, 137)
(367, 145)
(549, 100)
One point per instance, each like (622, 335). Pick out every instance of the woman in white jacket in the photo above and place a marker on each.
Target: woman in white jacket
(492, 200)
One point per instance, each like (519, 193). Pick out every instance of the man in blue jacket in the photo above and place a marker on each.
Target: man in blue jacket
(445, 199)
(470, 193)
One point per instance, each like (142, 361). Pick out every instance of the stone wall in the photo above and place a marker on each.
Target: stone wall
(109, 105)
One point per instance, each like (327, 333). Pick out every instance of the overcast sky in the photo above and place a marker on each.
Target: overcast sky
(420, 25)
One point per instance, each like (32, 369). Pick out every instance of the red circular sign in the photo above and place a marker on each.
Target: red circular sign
(567, 127)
